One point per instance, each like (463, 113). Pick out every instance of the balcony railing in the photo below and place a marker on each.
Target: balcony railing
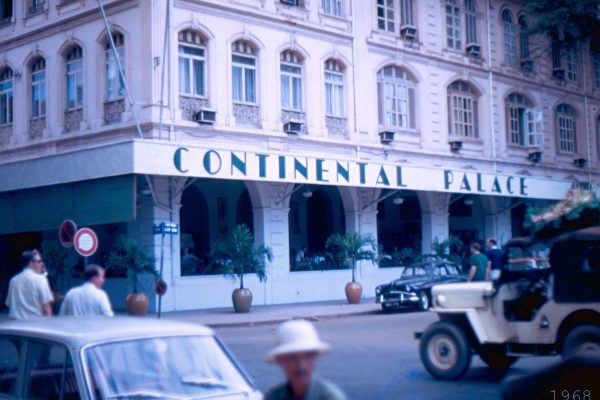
(37, 7)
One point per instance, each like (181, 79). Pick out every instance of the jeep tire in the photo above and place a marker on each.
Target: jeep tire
(445, 351)
(496, 358)
(582, 338)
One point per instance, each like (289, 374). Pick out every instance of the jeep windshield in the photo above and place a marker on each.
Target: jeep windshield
(523, 256)
(188, 367)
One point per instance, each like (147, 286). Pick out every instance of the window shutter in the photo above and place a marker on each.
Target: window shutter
(535, 133)
(411, 108)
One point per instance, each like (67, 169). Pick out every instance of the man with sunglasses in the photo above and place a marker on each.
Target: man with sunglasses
(29, 294)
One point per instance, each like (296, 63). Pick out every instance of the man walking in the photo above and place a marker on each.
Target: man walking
(89, 298)
(479, 263)
(298, 348)
(29, 294)
(495, 256)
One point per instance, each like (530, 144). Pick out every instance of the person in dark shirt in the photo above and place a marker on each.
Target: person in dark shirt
(495, 256)
(479, 263)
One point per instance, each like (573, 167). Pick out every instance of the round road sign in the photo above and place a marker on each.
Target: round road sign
(86, 242)
(66, 233)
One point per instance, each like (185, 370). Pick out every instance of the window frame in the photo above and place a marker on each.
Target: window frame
(571, 58)
(595, 62)
(38, 88)
(114, 89)
(74, 77)
(509, 35)
(334, 8)
(335, 89)
(407, 13)
(465, 97)
(190, 59)
(389, 23)
(453, 24)
(470, 23)
(400, 81)
(296, 95)
(523, 39)
(7, 93)
(566, 129)
(244, 69)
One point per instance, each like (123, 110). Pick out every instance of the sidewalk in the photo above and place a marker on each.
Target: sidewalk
(221, 317)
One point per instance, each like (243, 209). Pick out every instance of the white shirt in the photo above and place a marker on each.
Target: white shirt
(86, 300)
(27, 292)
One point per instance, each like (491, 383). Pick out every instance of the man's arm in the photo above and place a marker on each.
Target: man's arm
(488, 271)
(472, 273)
(47, 310)
(105, 308)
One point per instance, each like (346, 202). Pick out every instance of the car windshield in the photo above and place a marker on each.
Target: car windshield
(167, 368)
(520, 258)
(444, 270)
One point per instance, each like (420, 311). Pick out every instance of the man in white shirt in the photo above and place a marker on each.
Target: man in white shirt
(89, 298)
(29, 294)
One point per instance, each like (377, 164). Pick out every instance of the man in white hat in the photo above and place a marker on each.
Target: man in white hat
(297, 350)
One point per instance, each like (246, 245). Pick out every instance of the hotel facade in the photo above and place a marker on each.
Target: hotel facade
(407, 120)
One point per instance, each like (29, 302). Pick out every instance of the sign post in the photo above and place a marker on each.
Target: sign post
(86, 243)
(66, 233)
(163, 229)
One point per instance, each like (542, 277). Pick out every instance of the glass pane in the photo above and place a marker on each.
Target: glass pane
(297, 93)
(285, 92)
(45, 380)
(250, 85)
(236, 75)
(243, 60)
(198, 78)
(10, 353)
(184, 76)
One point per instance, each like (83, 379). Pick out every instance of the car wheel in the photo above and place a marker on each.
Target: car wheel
(423, 301)
(583, 338)
(445, 351)
(496, 358)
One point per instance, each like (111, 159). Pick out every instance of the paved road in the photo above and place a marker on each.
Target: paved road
(374, 357)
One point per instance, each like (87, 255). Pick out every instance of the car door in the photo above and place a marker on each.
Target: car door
(11, 360)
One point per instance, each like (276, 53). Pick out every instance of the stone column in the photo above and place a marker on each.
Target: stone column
(434, 219)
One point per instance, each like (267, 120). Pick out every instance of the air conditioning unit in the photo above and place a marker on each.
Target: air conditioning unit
(527, 64)
(408, 32)
(559, 73)
(290, 2)
(580, 162)
(293, 127)
(455, 145)
(206, 116)
(473, 49)
(535, 156)
(386, 137)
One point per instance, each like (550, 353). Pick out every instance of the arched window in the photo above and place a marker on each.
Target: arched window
(566, 129)
(396, 98)
(524, 38)
(38, 88)
(524, 124)
(192, 64)
(74, 71)
(462, 110)
(510, 38)
(291, 69)
(6, 96)
(453, 25)
(243, 72)
(571, 57)
(334, 89)
(595, 56)
(115, 87)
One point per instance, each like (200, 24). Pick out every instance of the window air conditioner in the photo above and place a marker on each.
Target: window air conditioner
(205, 116)
(387, 137)
(559, 73)
(580, 162)
(535, 156)
(455, 145)
(527, 64)
(408, 32)
(290, 2)
(473, 49)
(293, 127)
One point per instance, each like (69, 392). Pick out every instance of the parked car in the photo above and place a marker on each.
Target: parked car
(546, 302)
(413, 288)
(117, 358)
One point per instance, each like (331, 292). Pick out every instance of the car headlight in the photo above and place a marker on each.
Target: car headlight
(408, 288)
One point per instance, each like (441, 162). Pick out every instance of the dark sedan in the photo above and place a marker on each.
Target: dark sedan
(413, 289)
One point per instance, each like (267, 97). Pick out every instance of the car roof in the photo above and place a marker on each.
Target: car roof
(79, 331)
(434, 262)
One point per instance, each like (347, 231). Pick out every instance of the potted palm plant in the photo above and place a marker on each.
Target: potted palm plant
(60, 265)
(241, 256)
(128, 258)
(351, 248)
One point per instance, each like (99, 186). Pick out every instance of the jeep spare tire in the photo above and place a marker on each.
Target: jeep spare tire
(445, 351)
(583, 338)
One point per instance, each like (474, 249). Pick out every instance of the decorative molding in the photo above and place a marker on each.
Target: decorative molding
(247, 114)
(190, 105)
(36, 127)
(6, 132)
(113, 111)
(73, 120)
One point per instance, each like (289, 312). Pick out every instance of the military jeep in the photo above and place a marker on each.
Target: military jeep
(545, 302)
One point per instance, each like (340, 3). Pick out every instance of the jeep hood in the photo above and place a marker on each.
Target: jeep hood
(461, 295)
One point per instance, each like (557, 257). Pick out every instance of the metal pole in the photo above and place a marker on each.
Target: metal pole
(162, 258)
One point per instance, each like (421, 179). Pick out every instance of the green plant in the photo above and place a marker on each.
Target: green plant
(448, 249)
(241, 256)
(351, 248)
(128, 257)
(60, 264)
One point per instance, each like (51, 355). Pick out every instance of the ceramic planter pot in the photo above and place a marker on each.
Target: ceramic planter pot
(353, 292)
(242, 300)
(137, 304)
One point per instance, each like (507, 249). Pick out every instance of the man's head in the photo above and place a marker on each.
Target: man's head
(32, 259)
(297, 350)
(492, 242)
(475, 248)
(94, 274)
